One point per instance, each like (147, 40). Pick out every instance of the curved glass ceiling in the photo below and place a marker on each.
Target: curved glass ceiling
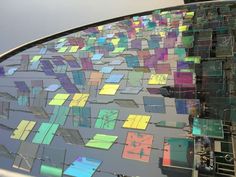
(147, 95)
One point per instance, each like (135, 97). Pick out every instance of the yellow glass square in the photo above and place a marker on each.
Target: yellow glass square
(79, 100)
(109, 89)
(118, 50)
(137, 121)
(74, 49)
(162, 34)
(183, 28)
(136, 22)
(59, 99)
(189, 15)
(115, 41)
(137, 29)
(35, 58)
(158, 79)
(100, 28)
(23, 130)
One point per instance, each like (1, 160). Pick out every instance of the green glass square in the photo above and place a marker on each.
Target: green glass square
(208, 127)
(179, 149)
(106, 119)
(46, 133)
(135, 78)
(102, 141)
(212, 68)
(51, 171)
(188, 41)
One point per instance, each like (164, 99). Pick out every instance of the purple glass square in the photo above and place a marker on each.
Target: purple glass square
(73, 64)
(160, 53)
(150, 62)
(58, 62)
(183, 78)
(46, 64)
(86, 64)
(22, 87)
(163, 68)
(184, 65)
(66, 83)
(136, 44)
(169, 42)
(2, 72)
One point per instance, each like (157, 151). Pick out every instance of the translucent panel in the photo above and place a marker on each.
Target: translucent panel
(183, 78)
(212, 68)
(38, 111)
(83, 166)
(71, 136)
(79, 100)
(95, 78)
(46, 133)
(167, 124)
(23, 130)
(25, 156)
(137, 121)
(114, 78)
(158, 79)
(106, 119)
(135, 78)
(187, 106)
(66, 83)
(138, 146)
(52, 162)
(4, 109)
(131, 90)
(208, 127)
(224, 46)
(106, 69)
(109, 89)
(23, 99)
(132, 61)
(79, 77)
(59, 115)
(59, 99)
(188, 41)
(101, 141)
(177, 153)
(97, 57)
(118, 50)
(40, 100)
(128, 103)
(154, 104)
(81, 116)
(4, 152)
(163, 69)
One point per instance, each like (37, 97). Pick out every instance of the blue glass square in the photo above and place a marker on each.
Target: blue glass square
(81, 116)
(154, 104)
(181, 106)
(107, 69)
(79, 77)
(114, 78)
(83, 167)
(101, 40)
(97, 57)
(132, 61)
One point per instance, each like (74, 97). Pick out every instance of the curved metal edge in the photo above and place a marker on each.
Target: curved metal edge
(28, 45)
